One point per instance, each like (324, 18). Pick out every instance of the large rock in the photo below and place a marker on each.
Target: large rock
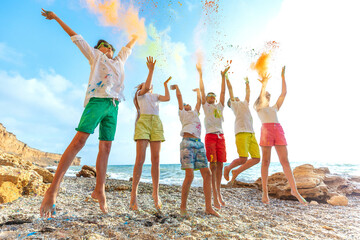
(9, 192)
(312, 183)
(86, 173)
(19, 177)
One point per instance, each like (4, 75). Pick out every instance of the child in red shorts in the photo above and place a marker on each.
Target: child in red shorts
(272, 134)
(214, 138)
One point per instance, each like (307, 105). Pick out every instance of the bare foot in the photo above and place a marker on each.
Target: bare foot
(47, 208)
(211, 211)
(234, 175)
(101, 198)
(226, 173)
(221, 201)
(217, 204)
(265, 198)
(299, 198)
(184, 213)
(157, 202)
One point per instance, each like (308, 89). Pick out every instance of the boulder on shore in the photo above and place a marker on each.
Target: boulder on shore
(19, 177)
(313, 184)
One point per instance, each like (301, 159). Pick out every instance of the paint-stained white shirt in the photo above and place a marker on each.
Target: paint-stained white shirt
(106, 75)
(268, 114)
(190, 122)
(213, 117)
(243, 119)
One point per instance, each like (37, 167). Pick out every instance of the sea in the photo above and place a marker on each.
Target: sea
(172, 174)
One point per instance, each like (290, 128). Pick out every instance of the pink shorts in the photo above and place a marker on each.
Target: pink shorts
(272, 134)
(215, 147)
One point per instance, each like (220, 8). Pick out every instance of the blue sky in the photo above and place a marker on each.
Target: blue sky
(43, 75)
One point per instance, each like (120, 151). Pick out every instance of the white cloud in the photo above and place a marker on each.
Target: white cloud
(40, 111)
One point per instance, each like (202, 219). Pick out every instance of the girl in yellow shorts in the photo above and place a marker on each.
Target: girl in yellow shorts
(148, 128)
(244, 133)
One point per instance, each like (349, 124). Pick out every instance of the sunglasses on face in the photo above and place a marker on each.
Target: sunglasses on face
(211, 95)
(106, 45)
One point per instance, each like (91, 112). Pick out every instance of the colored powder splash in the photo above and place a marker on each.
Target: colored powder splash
(210, 7)
(113, 13)
(169, 55)
(261, 66)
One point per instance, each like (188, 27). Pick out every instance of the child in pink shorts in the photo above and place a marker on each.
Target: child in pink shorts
(272, 134)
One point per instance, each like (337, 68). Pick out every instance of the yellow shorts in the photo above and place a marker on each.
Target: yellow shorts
(246, 143)
(149, 127)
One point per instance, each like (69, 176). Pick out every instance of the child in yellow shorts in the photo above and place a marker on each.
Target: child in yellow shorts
(148, 128)
(245, 137)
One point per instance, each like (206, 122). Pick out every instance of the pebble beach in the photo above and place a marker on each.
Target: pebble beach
(243, 217)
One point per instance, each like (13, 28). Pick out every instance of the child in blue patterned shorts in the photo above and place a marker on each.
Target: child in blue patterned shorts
(192, 152)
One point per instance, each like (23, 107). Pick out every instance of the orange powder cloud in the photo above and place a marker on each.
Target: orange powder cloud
(261, 65)
(113, 13)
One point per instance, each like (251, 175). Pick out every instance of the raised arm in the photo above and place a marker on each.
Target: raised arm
(264, 80)
(178, 96)
(151, 65)
(166, 97)
(198, 99)
(222, 93)
(132, 41)
(247, 96)
(281, 98)
(51, 15)
(201, 83)
(229, 86)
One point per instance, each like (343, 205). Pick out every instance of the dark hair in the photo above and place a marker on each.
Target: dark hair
(103, 41)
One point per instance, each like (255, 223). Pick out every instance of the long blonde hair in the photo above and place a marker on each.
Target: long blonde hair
(257, 102)
(136, 103)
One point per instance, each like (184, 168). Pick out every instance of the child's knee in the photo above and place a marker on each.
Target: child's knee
(256, 160)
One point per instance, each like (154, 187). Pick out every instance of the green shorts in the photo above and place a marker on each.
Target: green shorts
(149, 127)
(100, 111)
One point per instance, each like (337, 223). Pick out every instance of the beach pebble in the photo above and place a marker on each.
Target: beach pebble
(338, 200)
(314, 203)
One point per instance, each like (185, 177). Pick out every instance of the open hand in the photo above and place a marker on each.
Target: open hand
(150, 63)
(166, 82)
(264, 78)
(223, 73)
(48, 14)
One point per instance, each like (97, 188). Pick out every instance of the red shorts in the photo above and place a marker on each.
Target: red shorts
(272, 134)
(215, 147)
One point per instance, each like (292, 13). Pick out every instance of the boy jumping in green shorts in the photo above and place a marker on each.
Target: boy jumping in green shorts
(105, 90)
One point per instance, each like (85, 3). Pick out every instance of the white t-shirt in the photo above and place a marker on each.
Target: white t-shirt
(106, 75)
(268, 114)
(190, 122)
(149, 103)
(243, 119)
(213, 117)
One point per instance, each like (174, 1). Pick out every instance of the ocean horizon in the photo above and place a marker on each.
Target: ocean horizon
(171, 174)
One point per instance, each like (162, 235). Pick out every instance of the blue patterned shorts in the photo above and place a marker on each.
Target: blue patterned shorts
(192, 154)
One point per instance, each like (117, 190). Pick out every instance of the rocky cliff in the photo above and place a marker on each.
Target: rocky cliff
(10, 144)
